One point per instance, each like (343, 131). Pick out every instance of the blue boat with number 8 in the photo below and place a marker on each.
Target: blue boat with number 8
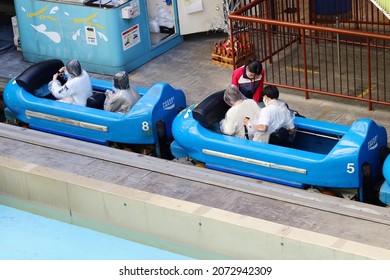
(146, 126)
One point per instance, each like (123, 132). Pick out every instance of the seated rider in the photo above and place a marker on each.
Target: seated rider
(241, 107)
(124, 95)
(273, 116)
(77, 88)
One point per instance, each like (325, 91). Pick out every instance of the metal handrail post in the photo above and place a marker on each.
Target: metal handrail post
(369, 74)
(305, 63)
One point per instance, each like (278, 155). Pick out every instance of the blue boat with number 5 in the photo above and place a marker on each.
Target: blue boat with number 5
(147, 124)
(332, 158)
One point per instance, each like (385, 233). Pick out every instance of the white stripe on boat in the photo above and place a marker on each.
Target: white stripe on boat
(255, 161)
(43, 116)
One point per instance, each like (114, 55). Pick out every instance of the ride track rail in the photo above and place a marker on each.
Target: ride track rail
(321, 202)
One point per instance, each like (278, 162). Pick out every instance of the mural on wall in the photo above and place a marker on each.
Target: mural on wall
(90, 25)
(52, 35)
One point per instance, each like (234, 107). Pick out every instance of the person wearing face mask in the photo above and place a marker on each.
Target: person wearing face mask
(241, 107)
(250, 79)
(76, 89)
(273, 116)
(124, 95)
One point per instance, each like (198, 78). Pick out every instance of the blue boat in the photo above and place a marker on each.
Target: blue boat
(147, 124)
(384, 194)
(330, 157)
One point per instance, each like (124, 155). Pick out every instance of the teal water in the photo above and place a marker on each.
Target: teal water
(26, 236)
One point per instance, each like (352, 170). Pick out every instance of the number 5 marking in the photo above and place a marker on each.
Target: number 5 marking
(350, 168)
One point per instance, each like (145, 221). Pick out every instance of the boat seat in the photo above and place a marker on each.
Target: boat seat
(212, 109)
(279, 137)
(39, 74)
(96, 100)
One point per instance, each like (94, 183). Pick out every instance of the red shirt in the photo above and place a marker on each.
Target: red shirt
(251, 88)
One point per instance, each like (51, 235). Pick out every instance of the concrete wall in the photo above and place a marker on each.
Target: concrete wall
(187, 228)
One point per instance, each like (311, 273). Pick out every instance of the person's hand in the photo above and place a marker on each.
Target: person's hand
(292, 131)
(109, 93)
(61, 71)
(55, 76)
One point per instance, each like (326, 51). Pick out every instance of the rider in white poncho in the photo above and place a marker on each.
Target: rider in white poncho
(241, 108)
(124, 95)
(77, 88)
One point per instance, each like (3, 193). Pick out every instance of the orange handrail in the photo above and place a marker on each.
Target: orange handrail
(339, 62)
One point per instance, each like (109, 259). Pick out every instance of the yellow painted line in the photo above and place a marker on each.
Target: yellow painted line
(302, 70)
(133, 75)
(366, 91)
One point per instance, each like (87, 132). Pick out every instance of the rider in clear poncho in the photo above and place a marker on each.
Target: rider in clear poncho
(241, 107)
(124, 95)
(77, 88)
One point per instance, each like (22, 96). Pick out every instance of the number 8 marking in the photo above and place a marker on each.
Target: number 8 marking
(145, 126)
